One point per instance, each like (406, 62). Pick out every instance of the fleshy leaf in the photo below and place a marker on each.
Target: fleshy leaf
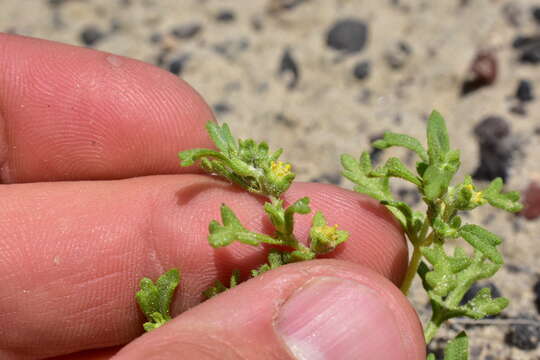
(437, 138)
(218, 286)
(221, 136)
(395, 168)
(155, 299)
(232, 230)
(438, 175)
(483, 305)
(483, 241)
(393, 139)
(275, 260)
(357, 171)
(458, 348)
(507, 201)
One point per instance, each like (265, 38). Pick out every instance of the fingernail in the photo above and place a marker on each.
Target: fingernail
(333, 318)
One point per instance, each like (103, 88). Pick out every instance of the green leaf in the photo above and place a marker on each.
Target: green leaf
(438, 175)
(483, 305)
(155, 299)
(431, 357)
(392, 139)
(457, 349)
(275, 260)
(357, 171)
(221, 136)
(218, 286)
(437, 138)
(483, 241)
(395, 168)
(232, 230)
(507, 201)
(299, 207)
(188, 157)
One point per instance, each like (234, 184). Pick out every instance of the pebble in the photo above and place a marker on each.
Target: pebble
(531, 201)
(186, 31)
(177, 64)
(221, 108)
(482, 72)
(362, 69)
(288, 66)
(524, 91)
(231, 48)
(90, 35)
(535, 11)
(529, 48)
(347, 35)
(536, 290)
(524, 337)
(225, 16)
(398, 56)
(279, 5)
(494, 151)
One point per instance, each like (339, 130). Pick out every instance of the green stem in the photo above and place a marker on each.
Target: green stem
(411, 270)
(431, 330)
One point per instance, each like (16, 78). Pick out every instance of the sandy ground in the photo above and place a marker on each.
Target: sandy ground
(419, 55)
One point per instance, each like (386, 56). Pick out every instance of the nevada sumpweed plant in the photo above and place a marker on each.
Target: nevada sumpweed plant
(445, 277)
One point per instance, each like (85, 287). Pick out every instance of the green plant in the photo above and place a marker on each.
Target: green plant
(445, 277)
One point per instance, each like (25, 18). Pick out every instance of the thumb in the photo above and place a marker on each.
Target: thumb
(323, 309)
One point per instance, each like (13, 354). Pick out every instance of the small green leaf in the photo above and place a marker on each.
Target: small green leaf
(275, 260)
(507, 201)
(483, 241)
(299, 207)
(188, 157)
(392, 139)
(457, 349)
(218, 286)
(221, 136)
(232, 230)
(395, 168)
(438, 175)
(431, 357)
(437, 138)
(155, 299)
(357, 171)
(483, 305)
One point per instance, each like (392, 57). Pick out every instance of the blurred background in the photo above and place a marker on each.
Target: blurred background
(325, 77)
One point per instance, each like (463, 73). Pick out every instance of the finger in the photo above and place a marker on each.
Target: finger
(74, 252)
(323, 309)
(71, 113)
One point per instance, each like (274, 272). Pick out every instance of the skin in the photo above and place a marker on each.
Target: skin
(93, 199)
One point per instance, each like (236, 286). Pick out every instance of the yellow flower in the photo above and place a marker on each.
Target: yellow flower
(476, 196)
(330, 232)
(280, 169)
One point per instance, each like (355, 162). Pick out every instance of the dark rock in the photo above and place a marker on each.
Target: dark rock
(280, 5)
(470, 294)
(225, 16)
(483, 72)
(230, 48)
(155, 38)
(531, 55)
(529, 48)
(361, 70)
(535, 12)
(536, 290)
(524, 91)
(524, 337)
(177, 65)
(90, 35)
(398, 56)
(221, 108)
(519, 109)
(495, 154)
(289, 67)
(531, 202)
(348, 35)
(186, 31)
(285, 120)
(522, 42)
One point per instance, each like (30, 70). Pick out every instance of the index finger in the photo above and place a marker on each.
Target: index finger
(70, 113)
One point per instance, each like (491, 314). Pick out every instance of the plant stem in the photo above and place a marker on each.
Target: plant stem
(411, 270)
(431, 330)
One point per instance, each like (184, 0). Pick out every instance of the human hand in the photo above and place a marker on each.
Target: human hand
(96, 201)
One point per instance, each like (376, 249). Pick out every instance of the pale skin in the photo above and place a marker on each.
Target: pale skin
(74, 244)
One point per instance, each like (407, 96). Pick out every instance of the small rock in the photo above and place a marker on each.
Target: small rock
(519, 109)
(512, 13)
(284, 120)
(329, 178)
(531, 202)
(531, 55)
(536, 289)
(186, 31)
(524, 91)
(90, 35)
(361, 70)
(288, 66)
(225, 16)
(280, 5)
(535, 12)
(221, 108)
(155, 38)
(494, 151)
(348, 35)
(177, 65)
(398, 56)
(230, 48)
(529, 48)
(524, 337)
(483, 72)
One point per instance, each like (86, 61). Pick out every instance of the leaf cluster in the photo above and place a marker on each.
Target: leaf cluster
(155, 299)
(447, 277)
